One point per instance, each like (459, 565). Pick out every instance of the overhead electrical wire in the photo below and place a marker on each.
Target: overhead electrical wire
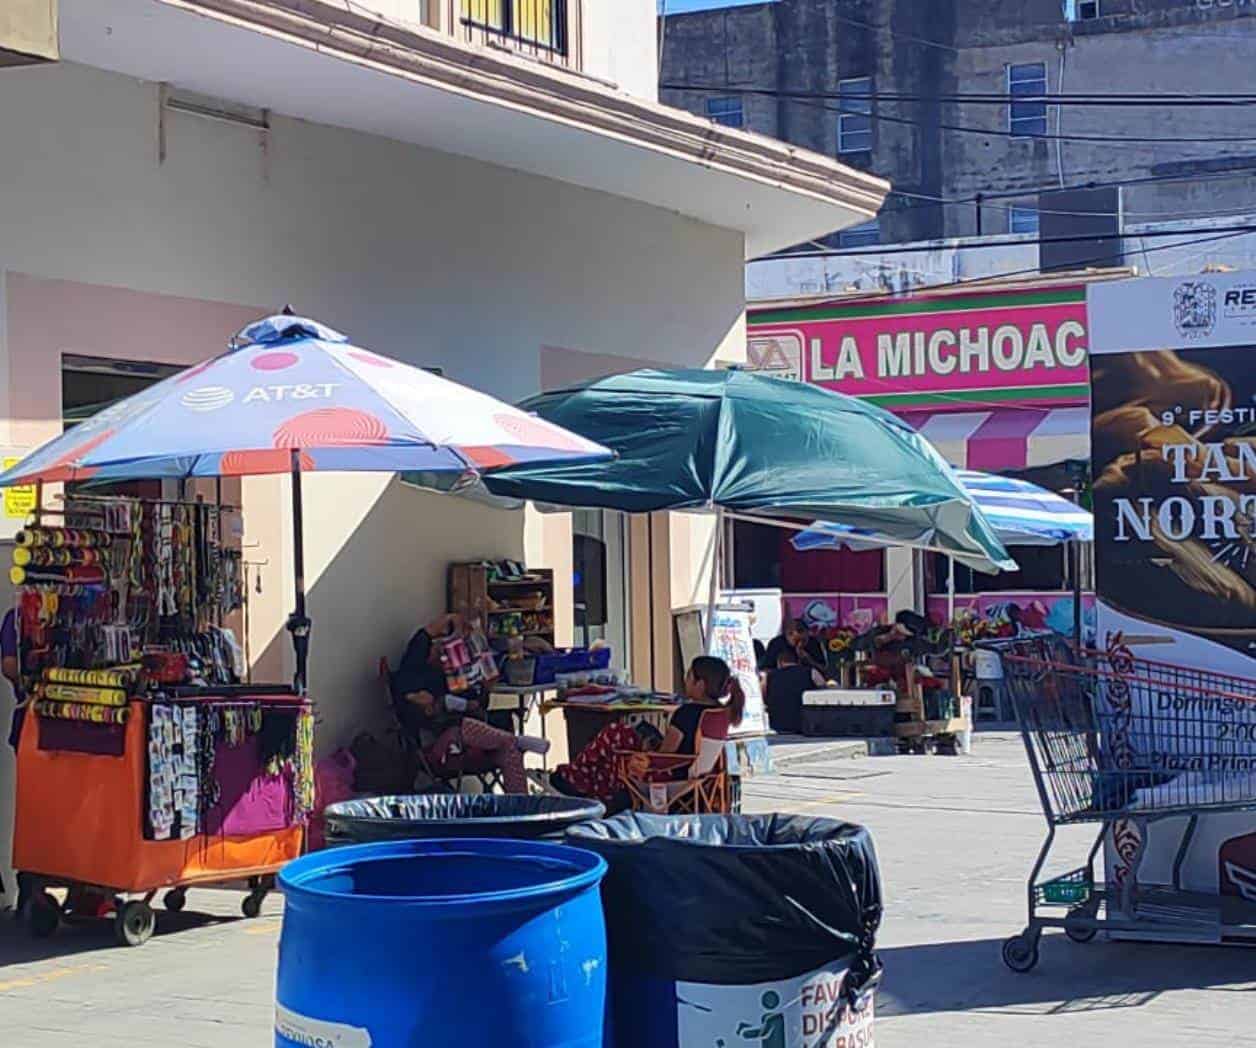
(984, 203)
(990, 200)
(991, 242)
(1148, 100)
(882, 28)
(925, 42)
(1113, 140)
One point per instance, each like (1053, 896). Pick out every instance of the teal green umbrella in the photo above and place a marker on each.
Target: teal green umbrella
(755, 447)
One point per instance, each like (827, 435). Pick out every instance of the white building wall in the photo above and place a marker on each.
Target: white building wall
(621, 44)
(434, 259)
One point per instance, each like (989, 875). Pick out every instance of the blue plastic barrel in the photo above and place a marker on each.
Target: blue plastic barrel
(442, 943)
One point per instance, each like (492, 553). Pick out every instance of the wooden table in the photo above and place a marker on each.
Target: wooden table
(585, 719)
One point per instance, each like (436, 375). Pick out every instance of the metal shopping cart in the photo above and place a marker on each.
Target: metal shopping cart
(1124, 742)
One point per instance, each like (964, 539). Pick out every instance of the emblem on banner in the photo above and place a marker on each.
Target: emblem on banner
(1195, 309)
(1238, 867)
(777, 355)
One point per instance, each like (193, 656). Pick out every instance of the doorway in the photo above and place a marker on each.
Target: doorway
(600, 581)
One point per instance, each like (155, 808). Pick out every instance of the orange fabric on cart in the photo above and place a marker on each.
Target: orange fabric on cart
(80, 817)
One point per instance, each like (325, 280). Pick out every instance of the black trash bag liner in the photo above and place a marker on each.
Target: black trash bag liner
(455, 815)
(738, 899)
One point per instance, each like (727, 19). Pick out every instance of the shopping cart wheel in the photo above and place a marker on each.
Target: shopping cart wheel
(1078, 933)
(175, 899)
(1020, 953)
(43, 915)
(134, 923)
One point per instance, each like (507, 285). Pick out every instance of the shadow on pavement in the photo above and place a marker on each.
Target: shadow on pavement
(971, 976)
(85, 936)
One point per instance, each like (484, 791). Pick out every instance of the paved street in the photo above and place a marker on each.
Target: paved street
(955, 838)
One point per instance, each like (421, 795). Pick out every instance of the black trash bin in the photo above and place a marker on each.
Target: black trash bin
(730, 930)
(455, 815)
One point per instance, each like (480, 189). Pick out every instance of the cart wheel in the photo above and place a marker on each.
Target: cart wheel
(134, 923)
(175, 899)
(252, 905)
(1020, 953)
(1076, 932)
(43, 915)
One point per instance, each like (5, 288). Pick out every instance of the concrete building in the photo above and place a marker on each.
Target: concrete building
(449, 184)
(917, 92)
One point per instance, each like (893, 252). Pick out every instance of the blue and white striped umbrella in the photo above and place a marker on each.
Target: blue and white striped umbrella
(1022, 514)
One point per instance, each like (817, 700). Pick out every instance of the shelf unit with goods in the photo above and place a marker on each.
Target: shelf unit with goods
(520, 604)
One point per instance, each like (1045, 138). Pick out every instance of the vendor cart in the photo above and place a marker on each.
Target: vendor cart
(85, 802)
(143, 762)
(1123, 742)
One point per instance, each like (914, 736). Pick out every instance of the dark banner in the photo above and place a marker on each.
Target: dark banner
(1173, 380)
(1174, 457)
(1173, 384)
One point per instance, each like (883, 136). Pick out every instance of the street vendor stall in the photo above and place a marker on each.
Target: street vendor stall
(143, 764)
(932, 693)
(141, 746)
(749, 447)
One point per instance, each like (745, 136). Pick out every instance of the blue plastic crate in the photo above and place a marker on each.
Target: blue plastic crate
(572, 660)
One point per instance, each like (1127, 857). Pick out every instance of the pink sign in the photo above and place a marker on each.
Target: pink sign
(1039, 610)
(976, 349)
(854, 611)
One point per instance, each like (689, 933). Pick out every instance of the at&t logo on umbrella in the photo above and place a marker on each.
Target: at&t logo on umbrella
(207, 398)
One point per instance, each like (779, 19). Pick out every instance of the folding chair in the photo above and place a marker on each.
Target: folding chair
(705, 788)
(455, 767)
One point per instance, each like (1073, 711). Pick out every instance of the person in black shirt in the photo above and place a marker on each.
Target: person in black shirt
(707, 684)
(796, 638)
(786, 685)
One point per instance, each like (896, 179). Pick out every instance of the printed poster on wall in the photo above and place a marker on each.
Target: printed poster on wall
(1173, 448)
(733, 641)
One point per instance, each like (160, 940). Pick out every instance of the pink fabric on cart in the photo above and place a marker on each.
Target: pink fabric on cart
(251, 801)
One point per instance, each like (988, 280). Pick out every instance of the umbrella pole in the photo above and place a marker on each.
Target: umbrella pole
(1075, 558)
(298, 622)
(950, 591)
(717, 551)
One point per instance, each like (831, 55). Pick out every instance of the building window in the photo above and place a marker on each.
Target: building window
(726, 111)
(1027, 113)
(1022, 220)
(540, 23)
(854, 122)
(1082, 10)
(864, 235)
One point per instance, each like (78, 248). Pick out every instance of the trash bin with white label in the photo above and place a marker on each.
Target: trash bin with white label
(738, 929)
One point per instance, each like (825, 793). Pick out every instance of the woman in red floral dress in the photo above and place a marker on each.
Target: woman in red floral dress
(591, 773)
